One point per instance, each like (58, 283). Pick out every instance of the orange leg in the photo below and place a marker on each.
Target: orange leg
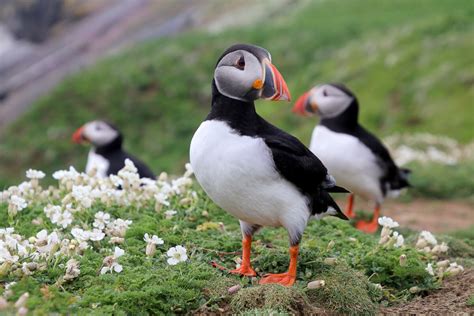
(245, 268)
(287, 278)
(350, 206)
(372, 226)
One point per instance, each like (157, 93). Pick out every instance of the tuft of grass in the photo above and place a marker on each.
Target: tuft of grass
(271, 296)
(346, 291)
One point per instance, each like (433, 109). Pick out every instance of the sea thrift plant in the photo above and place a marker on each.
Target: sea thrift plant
(66, 232)
(388, 237)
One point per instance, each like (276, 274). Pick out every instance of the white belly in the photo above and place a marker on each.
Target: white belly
(238, 173)
(98, 162)
(351, 163)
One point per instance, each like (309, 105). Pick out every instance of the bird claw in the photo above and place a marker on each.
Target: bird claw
(245, 271)
(284, 279)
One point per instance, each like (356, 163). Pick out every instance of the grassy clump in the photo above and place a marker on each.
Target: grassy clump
(459, 247)
(271, 296)
(346, 291)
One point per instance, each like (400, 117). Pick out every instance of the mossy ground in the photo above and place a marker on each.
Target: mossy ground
(151, 286)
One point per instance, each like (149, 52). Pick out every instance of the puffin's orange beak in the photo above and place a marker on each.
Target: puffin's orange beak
(300, 105)
(78, 137)
(274, 87)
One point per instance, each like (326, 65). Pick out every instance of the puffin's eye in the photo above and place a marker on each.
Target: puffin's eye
(325, 93)
(240, 64)
(98, 128)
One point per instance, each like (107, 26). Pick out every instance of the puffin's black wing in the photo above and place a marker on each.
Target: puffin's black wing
(393, 177)
(297, 164)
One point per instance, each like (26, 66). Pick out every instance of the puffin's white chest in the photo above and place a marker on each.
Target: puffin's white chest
(98, 162)
(238, 173)
(352, 164)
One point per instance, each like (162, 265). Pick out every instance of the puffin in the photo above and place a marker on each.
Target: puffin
(253, 170)
(356, 158)
(107, 155)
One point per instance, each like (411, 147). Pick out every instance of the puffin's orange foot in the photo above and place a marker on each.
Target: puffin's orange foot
(284, 279)
(244, 270)
(367, 227)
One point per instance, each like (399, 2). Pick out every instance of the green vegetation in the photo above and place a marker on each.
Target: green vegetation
(350, 262)
(408, 64)
(470, 301)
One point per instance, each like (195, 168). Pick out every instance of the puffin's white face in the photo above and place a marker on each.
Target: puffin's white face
(327, 100)
(98, 133)
(248, 75)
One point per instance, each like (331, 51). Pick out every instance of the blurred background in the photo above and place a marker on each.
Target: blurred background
(147, 66)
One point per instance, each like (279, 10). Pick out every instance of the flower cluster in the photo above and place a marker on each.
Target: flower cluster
(427, 148)
(428, 243)
(67, 208)
(388, 237)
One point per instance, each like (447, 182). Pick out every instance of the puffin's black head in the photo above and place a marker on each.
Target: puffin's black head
(328, 100)
(245, 72)
(98, 133)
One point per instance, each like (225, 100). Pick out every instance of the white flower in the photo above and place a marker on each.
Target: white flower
(110, 262)
(45, 244)
(34, 174)
(70, 174)
(118, 227)
(429, 269)
(96, 235)
(176, 255)
(387, 222)
(80, 234)
(169, 214)
(101, 220)
(52, 210)
(426, 235)
(63, 219)
(162, 199)
(18, 203)
(153, 240)
(72, 270)
(189, 170)
(399, 241)
(151, 244)
(82, 194)
(116, 181)
(6, 231)
(6, 256)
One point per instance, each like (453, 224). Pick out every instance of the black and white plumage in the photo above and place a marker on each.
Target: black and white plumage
(250, 168)
(107, 155)
(355, 157)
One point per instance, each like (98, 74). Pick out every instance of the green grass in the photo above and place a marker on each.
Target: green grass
(408, 64)
(150, 286)
(470, 301)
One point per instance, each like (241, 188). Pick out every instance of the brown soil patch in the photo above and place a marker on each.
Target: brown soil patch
(432, 215)
(450, 299)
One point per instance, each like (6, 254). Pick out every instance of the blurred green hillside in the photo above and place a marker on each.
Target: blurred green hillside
(411, 65)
